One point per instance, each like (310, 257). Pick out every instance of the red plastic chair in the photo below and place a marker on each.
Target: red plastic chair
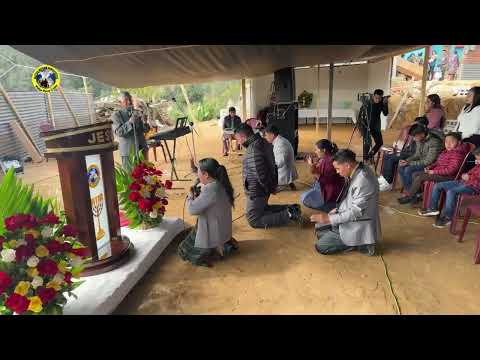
(428, 185)
(254, 123)
(456, 215)
(471, 210)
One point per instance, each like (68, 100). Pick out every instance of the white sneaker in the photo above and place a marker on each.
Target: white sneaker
(385, 187)
(382, 180)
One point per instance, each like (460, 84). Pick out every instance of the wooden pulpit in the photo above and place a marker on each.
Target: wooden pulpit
(87, 175)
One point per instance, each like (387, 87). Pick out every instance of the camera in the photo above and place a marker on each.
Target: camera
(365, 98)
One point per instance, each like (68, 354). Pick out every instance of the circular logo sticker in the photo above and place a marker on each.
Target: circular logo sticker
(45, 78)
(93, 176)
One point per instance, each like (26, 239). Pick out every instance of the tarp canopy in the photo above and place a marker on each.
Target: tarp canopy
(133, 66)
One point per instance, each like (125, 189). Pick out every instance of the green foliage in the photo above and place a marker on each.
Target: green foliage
(18, 198)
(123, 180)
(305, 99)
(204, 111)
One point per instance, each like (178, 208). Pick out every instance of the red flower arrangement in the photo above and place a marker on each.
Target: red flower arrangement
(143, 195)
(38, 260)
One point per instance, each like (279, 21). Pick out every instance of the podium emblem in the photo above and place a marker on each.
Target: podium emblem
(97, 207)
(93, 176)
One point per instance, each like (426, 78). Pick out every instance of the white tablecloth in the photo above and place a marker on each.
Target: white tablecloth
(336, 113)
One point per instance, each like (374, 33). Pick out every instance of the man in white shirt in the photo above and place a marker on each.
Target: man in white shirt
(284, 157)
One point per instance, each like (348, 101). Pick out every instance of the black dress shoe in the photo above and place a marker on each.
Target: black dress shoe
(406, 199)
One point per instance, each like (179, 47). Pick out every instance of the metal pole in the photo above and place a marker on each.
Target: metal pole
(421, 108)
(244, 100)
(50, 110)
(330, 99)
(89, 104)
(317, 118)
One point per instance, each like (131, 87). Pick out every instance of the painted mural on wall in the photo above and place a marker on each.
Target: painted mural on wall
(445, 62)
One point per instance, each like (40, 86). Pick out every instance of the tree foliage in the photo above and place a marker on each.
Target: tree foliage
(207, 99)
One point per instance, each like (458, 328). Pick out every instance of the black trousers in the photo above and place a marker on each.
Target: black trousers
(376, 134)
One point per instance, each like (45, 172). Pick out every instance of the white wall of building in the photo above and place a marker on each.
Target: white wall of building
(348, 81)
(379, 76)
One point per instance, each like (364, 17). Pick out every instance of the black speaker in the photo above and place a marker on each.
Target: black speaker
(284, 80)
(285, 117)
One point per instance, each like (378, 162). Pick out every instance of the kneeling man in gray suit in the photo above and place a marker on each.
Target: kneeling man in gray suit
(355, 223)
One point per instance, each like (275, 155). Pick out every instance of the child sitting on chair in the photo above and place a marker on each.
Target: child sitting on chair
(470, 184)
(445, 168)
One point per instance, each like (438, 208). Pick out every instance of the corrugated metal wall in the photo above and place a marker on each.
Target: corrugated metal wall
(469, 72)
(32, 107)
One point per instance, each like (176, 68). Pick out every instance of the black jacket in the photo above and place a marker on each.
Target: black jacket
(260, 175)
(231, 124)
(374, 110)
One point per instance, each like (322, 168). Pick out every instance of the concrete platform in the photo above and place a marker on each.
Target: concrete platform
(101, 294)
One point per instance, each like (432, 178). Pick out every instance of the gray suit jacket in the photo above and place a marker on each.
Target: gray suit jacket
(214, 216)
(285, 160)
(124, 131)
(357, 215)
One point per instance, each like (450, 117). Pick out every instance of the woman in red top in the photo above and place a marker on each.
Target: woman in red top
(328, 185)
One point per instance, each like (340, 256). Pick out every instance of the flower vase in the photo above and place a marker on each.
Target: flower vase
(145, 226)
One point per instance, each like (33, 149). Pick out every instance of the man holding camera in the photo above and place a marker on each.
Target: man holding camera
(129, 128)
(370, 123)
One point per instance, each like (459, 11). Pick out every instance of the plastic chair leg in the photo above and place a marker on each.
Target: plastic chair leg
(468, 213)
(476, 258)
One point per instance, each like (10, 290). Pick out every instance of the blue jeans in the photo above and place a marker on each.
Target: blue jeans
(453, 189)
(313, 199)
(406, 174)
(329, 242)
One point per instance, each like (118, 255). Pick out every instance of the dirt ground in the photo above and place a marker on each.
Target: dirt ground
(277, 271)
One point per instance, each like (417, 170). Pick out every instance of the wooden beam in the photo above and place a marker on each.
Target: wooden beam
(89, 103)
(330, 102)
(26, 141)
(394, 117)
(421, 108)
(189, 106)
(69, 106)
(22, 131)
(244, 100)
(50, 110)
(317, 118)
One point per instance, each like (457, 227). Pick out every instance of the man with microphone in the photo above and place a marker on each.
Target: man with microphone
(129, 128)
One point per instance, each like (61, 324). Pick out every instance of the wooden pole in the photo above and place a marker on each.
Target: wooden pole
(189, 106)
(394, 117)
(21, 130)
(244, 100)
(89, 103)
(317, 118)
(330, 100)
(421, 108)
(50, 110)
(69, 106)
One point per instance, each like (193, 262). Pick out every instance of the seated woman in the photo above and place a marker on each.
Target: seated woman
(468, 122)
(444, 169)
(212, 236)
(328, 184)
(435, 113)
(470, 184)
